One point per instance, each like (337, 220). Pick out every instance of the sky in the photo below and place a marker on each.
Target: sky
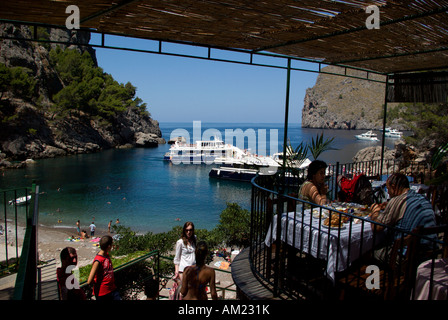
(179, 89)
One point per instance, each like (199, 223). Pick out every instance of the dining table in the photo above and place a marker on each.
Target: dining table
(431, 281)
(339, 246)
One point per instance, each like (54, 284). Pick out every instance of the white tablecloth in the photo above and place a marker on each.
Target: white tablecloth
(439, 280)
(344, 245)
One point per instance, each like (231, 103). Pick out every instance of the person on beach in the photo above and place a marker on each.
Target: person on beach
(185, 250)
(102, 273)
(198, 276)
(314, 188)
(78, 227)
(109, 225)
(92, 229)
(68, 285)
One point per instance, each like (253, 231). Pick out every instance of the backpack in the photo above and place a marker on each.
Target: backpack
(357, 190)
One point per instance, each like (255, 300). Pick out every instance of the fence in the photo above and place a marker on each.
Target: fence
(296, 256)
(26, 281)
(131, 276)
(13, 211)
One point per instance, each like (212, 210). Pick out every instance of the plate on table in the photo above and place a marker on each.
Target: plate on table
(318, 213)
(342, 227)
(335, 225)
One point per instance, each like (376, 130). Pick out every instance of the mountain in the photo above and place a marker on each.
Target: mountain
(44, 112)
(338, 102)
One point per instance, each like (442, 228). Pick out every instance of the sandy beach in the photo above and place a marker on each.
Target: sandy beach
(51, 242)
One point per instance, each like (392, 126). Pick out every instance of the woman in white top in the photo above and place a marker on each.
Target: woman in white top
(185, 250)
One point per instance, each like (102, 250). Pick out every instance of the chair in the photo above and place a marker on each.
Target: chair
(395, 276)
(440, 203)
(398, 276)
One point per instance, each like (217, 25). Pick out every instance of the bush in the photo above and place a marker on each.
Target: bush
(234, 226)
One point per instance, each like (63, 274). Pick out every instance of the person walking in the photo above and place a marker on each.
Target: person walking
(92, 229)
(102, 273)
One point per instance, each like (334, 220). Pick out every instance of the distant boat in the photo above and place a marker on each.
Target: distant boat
(369, 136)
(21, 200)
(393, 133)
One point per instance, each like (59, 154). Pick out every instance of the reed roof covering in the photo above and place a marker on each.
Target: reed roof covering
(413, 34)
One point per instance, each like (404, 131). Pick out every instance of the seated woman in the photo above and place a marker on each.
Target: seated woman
(196, 277)
(314, 188)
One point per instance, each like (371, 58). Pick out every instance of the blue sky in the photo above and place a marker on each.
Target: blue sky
(179, 89)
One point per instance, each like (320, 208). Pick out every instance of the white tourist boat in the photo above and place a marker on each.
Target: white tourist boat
(246, 166)
(20, 201)
(393, 133)
(368, 136)
(200, 152)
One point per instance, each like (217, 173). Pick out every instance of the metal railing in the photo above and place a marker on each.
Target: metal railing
(26, 281)
(13, 211)
(130, 277)
(296, 256)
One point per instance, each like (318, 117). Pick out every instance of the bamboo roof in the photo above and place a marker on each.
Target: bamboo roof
(413, 34)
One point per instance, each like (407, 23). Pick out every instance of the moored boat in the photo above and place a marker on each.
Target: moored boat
(368, 136)
(393, 133)
(200, 152)
(21, 200)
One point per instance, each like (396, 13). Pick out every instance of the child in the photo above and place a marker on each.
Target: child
(102, 273)
(151, 289)
(68, 285)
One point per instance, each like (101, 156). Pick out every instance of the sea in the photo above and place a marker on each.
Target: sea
(149, 194)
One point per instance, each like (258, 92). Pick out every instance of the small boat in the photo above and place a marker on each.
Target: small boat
(369, 136)
(393, 133)
(20, 201)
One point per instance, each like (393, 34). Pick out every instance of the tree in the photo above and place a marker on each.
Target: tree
(234, 226)
(18, 81)
(427, 121)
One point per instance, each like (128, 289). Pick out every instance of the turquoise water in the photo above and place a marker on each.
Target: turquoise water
(147, 193)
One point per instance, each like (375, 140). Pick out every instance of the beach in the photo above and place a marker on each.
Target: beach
(50, 243)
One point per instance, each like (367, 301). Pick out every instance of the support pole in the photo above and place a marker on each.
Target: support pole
(384, 126)
(285, 132)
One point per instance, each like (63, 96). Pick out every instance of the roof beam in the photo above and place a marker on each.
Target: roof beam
(394, 55)
(108, 10)
(351, 30)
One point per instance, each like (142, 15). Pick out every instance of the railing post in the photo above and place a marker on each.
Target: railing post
(336, 180)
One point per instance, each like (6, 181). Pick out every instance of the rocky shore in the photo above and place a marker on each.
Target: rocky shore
(36, 127)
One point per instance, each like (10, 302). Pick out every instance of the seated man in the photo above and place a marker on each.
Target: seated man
(406, 209)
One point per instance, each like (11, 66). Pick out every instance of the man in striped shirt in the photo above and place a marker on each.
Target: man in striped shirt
(405, 211)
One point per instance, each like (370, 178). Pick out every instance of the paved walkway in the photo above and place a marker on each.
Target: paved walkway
(48, 289)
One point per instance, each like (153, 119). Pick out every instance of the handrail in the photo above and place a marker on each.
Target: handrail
(26, 281)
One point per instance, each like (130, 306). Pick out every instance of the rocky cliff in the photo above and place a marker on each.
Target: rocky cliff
(29, 128)
(337, 102)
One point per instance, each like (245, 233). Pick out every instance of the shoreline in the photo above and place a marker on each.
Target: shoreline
(50, 243)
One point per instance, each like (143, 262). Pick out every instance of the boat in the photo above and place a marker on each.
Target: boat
(369, 136)
(247, 165)
(232, 173)
(21, 200)
(200, 152)
(393, 133)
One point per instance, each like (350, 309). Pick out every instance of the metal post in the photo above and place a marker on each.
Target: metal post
(384, 126)
(285, 132)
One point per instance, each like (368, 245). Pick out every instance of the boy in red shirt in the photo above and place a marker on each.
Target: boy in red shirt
(102, 273)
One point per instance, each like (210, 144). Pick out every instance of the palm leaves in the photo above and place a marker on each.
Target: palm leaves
(319, 145)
